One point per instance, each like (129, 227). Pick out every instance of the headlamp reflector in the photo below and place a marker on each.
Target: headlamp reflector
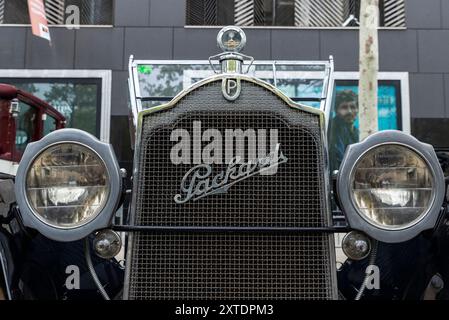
(67, 185)
(392, 186)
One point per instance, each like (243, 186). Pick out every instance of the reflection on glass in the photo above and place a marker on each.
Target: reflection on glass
(392, 186)
(167, 80)
(25, 126)
(77, 102)
(343, 130)
(67, 185)
(344, 115)
(49, 124)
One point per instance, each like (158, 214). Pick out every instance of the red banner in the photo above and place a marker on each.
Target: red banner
(39, 23)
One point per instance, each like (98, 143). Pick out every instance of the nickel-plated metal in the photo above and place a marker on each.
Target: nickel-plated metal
(357, 220)
(356, 245)
(231, 69)
(136, 95)
(107, 243)
(205, 83)
(103, 218)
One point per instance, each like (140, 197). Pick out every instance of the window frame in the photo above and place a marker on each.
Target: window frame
(105, 77)
(342, 27)
(68, 26)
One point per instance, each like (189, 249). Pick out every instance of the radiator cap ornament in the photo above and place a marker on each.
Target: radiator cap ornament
(231, 39)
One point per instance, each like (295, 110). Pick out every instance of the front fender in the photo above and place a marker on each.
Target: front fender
(6, 266)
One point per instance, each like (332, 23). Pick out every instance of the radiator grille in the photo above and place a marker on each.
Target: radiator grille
(289, 198)
(232, 265)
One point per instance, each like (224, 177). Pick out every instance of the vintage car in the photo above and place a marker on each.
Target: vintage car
(232, 194)
(24, 118)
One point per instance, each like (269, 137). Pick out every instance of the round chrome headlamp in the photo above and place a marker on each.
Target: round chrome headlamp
(68, 185)
(391, 186)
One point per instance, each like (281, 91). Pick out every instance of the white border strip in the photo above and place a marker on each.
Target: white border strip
(8, 167)
(106, 84)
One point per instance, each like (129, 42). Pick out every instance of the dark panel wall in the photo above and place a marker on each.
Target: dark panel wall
(154, 29)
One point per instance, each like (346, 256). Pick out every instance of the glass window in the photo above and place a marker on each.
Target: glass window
(91, 12)
(78, 100)
(49, 124)
(299, 13)
(159, 83)
(25, 126)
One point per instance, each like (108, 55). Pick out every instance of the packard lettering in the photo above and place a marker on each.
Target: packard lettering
(198, 182)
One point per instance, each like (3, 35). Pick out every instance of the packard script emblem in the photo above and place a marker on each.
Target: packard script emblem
(199, 182)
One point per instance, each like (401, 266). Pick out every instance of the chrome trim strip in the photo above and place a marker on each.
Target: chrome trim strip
(4, 271)
(132, 107)
(154, 229)
(258, 62)
(330, 91)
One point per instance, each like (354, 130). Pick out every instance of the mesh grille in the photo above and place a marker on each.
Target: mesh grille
(232, 265)
(271, 200)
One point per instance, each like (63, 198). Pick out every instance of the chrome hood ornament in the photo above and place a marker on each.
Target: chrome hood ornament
(231, 40)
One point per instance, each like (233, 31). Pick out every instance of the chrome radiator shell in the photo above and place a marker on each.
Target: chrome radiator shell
(232, 265)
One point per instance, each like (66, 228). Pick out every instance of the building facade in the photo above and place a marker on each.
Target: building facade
(89, 65)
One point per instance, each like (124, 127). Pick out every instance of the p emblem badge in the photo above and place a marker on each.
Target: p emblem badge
(231, 88)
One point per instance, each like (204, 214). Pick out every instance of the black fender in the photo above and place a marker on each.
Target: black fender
(7, 266)
(405, 270)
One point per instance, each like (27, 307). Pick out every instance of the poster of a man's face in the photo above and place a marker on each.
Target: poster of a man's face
(342, 130)
(344, 116)
(347, 106)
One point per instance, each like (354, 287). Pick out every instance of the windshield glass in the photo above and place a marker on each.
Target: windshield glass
(161, 81)
(25, 126)
(49, 124)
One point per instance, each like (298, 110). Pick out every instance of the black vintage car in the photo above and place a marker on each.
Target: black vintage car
(231, 198)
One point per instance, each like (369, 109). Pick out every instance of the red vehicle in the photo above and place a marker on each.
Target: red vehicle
(24, 118)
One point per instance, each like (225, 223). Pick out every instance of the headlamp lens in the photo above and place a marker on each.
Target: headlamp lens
(67, 185)
(392, 186)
